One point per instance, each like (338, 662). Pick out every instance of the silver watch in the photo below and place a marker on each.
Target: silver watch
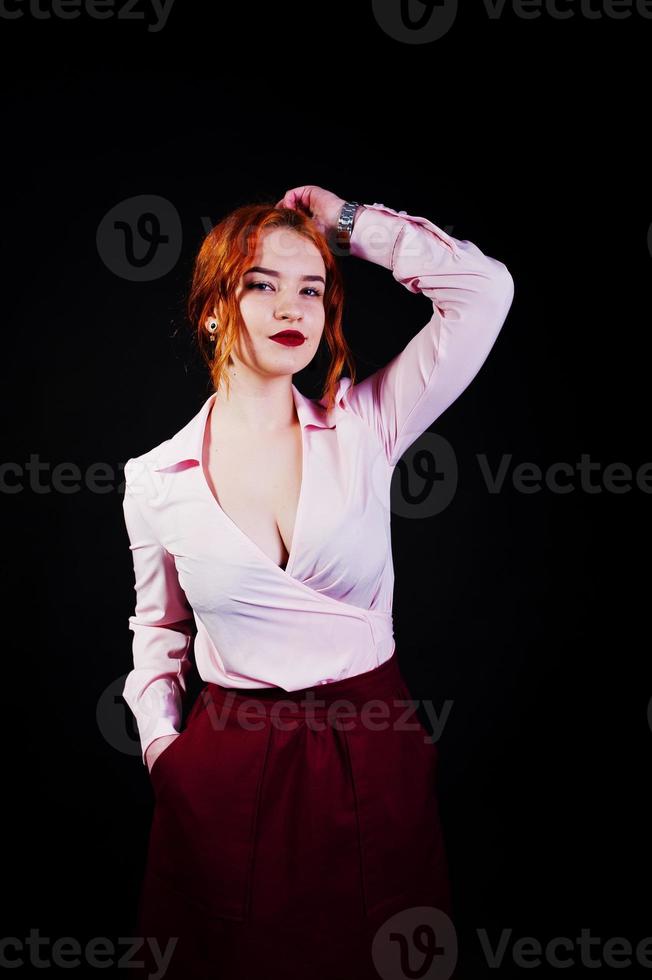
(345, 224)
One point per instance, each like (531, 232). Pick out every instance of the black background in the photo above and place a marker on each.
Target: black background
(527, 610)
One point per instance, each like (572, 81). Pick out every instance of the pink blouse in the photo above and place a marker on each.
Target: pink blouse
(200, 581)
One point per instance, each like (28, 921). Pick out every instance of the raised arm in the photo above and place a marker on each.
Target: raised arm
(471, 295)
(163, 626)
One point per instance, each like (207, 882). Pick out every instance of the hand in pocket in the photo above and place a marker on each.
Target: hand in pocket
(157, 747)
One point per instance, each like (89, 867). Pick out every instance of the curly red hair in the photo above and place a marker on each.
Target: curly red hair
(224, 254)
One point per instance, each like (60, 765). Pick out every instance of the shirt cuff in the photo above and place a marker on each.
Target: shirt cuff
(376, 231)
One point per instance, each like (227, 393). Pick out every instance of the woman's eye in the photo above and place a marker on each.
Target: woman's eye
(253, 285)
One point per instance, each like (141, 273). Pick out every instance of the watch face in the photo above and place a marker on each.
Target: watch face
(346, 215)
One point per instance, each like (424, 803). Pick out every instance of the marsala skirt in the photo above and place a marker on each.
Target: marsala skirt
(296, 835)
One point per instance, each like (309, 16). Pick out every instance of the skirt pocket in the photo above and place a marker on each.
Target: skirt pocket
(206, 804)
(160, 762)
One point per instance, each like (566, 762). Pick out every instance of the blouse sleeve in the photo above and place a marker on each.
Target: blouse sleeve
(163, 626)
(471, 294)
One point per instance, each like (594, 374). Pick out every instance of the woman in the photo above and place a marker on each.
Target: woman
(295, 829)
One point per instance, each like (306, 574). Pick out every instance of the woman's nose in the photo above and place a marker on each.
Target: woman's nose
(287, 313)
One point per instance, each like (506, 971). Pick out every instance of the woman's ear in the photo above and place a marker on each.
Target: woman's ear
(212, 318)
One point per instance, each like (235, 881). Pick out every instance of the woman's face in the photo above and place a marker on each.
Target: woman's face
(281, 289)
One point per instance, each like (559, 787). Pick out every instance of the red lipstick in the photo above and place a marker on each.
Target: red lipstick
(290, 338)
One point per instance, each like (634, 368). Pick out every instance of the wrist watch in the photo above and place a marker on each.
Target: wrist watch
(345, 225)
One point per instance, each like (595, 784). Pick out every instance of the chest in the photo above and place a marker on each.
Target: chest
(257, 483)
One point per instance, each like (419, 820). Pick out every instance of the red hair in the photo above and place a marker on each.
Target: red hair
(224, 254)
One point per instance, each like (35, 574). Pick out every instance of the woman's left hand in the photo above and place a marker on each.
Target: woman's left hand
(322, 206)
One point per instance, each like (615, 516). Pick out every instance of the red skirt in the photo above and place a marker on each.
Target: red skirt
(295, 834)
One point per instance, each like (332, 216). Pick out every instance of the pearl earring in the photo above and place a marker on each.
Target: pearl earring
(212, 326)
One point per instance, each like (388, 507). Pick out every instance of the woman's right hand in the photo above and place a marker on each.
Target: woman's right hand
(321, 205)
(155, 748)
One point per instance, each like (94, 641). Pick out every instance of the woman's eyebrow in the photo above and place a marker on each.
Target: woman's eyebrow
(272, 272)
